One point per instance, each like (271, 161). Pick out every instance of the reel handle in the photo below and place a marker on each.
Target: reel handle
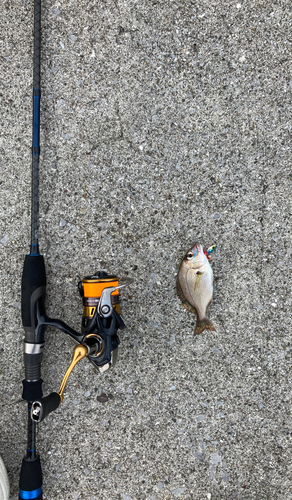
(41, 408)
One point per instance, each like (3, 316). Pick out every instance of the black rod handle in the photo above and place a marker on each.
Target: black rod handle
(33, 291)
(30, 482)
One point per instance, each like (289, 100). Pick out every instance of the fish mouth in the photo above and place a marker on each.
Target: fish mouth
(197, 248)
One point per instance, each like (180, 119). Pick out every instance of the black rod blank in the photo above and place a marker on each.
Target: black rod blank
(36, 128)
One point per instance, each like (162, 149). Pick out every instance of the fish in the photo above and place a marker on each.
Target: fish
(195, 285)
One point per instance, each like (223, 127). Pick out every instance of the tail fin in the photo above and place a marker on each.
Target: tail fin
(204, 324)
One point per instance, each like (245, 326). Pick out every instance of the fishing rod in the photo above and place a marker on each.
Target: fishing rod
(98, 339)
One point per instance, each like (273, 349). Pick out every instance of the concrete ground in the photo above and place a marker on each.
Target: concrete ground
(161, 123)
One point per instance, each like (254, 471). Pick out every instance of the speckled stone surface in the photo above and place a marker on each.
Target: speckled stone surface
(161, 123)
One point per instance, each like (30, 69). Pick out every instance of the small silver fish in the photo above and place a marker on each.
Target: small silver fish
(195, 286)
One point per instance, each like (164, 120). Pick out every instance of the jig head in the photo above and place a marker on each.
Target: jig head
(210, 252)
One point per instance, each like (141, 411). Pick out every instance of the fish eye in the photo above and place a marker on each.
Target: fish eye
(190, 256)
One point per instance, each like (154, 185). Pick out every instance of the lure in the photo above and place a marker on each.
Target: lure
(210, 251)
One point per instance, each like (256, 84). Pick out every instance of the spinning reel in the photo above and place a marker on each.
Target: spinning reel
(98, 339)
(101, 317)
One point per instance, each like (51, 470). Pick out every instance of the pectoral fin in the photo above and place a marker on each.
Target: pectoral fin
(199, 276)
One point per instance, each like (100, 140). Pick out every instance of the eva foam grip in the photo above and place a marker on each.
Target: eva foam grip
(32, 390)
(33, 278)
(30, 482)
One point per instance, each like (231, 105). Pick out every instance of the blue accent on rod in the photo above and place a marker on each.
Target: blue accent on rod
(30, 495)
(34, 250)
(36, 123)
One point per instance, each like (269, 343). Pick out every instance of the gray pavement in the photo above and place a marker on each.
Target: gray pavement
(162, 123)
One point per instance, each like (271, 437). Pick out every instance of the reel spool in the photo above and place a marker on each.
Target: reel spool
(91, 288)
